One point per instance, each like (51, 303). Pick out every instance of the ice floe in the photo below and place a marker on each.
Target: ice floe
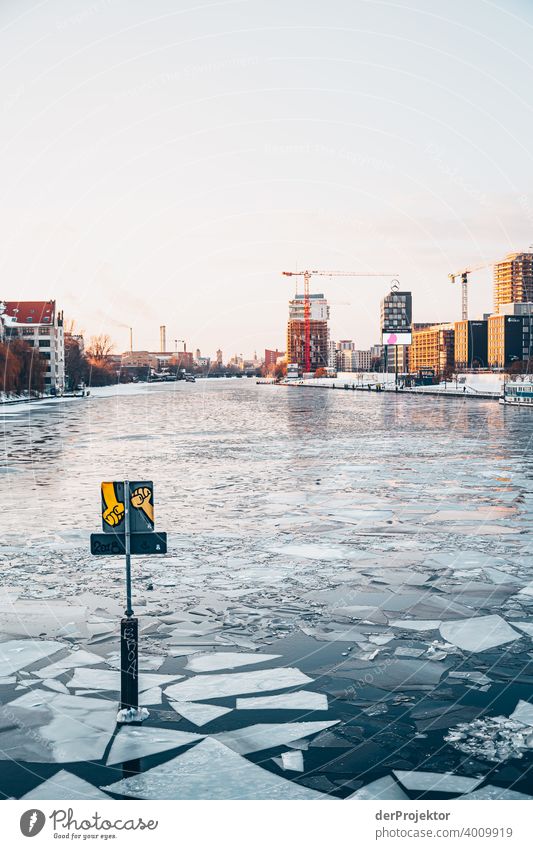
(218, 686)
(132, 743)
(197, 713)
(109, 679)
(210, 770)
(440, 782)
(382, 788)
(70, 728)
(65, 786)
(255, 738)
(226, 660)
(301, 700)
(16, 654)
(479, 633)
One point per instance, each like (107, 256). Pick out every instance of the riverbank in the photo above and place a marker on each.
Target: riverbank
(482, 386)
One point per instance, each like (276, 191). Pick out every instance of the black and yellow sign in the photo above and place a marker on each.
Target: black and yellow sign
(141, 503)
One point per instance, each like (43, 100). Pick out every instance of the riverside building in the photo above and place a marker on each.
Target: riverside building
(510, 335)
(319, 337)
(40, 324)
(470, 344)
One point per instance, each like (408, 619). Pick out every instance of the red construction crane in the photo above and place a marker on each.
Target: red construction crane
(307, 305)
(463, 274)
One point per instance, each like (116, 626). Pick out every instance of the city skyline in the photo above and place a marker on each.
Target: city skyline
(169, 178)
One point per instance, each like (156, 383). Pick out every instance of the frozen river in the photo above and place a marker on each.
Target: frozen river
(346, 608)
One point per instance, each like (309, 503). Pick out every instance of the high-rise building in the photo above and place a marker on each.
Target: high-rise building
(510, 335)
(40, 324)
(396, 316)
(513, 280)
(432, 348)
(319, 337)
(470, 344)
(219, 357)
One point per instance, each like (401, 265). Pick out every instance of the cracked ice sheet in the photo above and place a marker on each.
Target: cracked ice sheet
(441, 782)
(303, 700)
(68, 728)
(109, 679)
(65, 786)
(16, 654)
(255, 738)
(210, 771)
(218, 686)
(479, 633)
(197, 713)
(131, 743)
(226, 660)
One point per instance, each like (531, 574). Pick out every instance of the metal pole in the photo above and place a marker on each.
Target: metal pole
(127, 546)
(396, 367)
(129, 627)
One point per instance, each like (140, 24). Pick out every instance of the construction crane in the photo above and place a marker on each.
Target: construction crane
(463, 274)
(307, 305)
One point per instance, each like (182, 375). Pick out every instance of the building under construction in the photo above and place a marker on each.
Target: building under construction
(319, 332)
(513, 280)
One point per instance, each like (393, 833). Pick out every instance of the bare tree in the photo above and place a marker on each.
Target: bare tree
(100, 348)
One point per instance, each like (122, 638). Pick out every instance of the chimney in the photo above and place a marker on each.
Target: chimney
(162, 339)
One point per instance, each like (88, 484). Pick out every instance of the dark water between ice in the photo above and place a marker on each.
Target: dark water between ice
(298, 502)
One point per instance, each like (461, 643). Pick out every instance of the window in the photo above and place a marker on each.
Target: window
(44, 343)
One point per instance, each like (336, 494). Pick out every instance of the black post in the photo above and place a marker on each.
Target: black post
(129, 663)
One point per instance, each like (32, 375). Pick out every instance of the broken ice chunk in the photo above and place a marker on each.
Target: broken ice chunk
(153, 696)
(197, 713)
(16, 654)
(131, 743)
(479, 633)
(65, 786)
(70, 728)
(526, 627)
(302, 700)
(210, 771)
(255, 738)
(226, 660)
(293, 761)
(416, 625)
(523, 712)
(440, 782)
(218, 686)
(109, 679)
(74, 658)
(382, 788)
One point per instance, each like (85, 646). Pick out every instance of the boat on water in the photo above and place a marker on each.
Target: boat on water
(518, 393)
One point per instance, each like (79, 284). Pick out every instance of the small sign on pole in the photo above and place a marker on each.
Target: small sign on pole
(128, 528)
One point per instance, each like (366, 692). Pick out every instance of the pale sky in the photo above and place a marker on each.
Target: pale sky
(162, 162)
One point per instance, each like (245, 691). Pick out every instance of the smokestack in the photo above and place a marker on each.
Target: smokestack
(162, 338)
(131, 339)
